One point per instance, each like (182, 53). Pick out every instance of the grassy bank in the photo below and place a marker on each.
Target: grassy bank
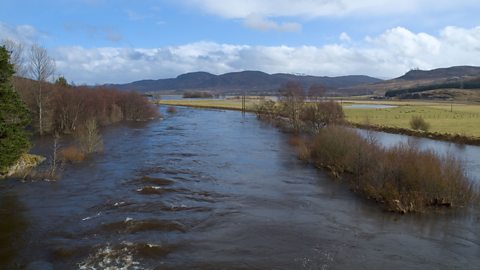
(227, 104)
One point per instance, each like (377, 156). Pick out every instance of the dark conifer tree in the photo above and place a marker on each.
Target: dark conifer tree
(14, 117)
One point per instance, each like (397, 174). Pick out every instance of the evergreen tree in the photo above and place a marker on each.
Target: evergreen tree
(14, 116)
(61, 81)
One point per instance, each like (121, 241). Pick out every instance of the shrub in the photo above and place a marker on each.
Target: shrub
(266, 110)
(332, 147)
(402, 178)
(72, 154)
(410, 180)
(303, 151)
(418, 123)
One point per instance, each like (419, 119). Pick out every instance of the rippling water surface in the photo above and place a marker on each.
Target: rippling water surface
(206, 189)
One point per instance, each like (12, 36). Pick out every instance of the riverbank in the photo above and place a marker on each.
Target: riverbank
(225, 104)
(455, 138)
(23, 165)
(458, 123)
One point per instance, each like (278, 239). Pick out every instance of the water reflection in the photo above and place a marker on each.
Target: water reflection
(12, 230)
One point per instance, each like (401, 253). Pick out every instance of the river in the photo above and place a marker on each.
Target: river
(210, 189)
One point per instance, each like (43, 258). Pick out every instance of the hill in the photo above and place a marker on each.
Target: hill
(418, 81)
(441, 73)
(253, 82)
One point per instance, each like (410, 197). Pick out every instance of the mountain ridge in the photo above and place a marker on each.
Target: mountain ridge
(250, 81)
(258, 82)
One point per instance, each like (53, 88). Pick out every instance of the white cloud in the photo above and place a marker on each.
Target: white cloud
(265, 11)
(389, 54)
(264, 14)
(344, 37)
(25, 34)
(259, 23)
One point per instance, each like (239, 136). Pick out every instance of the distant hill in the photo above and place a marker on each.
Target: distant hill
(441, 73)
(237, 82)
(416, 81)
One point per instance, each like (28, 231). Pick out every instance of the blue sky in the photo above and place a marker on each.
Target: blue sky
(100, 41)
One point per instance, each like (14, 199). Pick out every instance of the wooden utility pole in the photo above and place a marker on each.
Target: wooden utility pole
(244, 107)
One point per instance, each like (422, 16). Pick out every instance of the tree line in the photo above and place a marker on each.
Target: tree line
(60, 107)
(32, 100)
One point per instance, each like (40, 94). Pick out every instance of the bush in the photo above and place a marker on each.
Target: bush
(266, 110)
(418, 123)
(333, 147)
(402, 178)
(410, 180)
(72, 154)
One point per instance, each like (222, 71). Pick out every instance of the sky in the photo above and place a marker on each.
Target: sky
(119, 41)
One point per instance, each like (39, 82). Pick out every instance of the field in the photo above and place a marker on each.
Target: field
(228, 104)
(445, 118)
(461, 119)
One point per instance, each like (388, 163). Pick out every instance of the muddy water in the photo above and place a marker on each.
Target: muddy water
(208, 189)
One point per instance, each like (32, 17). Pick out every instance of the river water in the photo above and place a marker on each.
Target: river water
(209, 189)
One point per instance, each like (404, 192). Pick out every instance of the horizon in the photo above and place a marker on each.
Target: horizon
(105, 41)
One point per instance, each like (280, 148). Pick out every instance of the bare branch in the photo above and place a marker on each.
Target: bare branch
(41, 65)
(17, 56)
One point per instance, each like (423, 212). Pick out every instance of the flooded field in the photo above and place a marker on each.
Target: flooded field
(209, 189)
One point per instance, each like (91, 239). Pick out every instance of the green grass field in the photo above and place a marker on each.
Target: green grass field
(464, 119)
(459, 119)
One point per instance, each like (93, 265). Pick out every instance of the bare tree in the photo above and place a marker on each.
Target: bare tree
(40, 67)
(320, 114)
(316, 92)
(292, 99)
(17, 56)
(89, 137)
(55, 164)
